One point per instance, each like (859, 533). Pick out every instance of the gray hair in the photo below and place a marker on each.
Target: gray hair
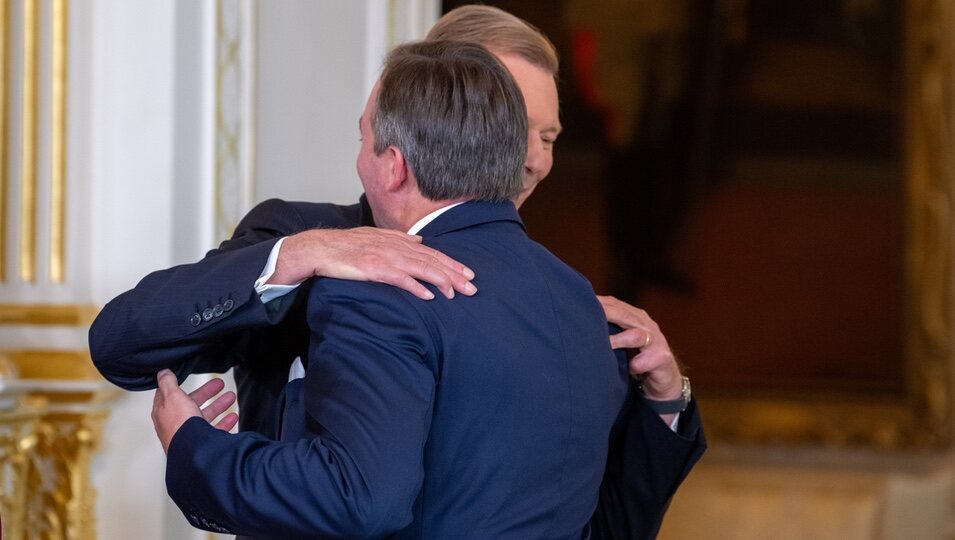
(458, 118)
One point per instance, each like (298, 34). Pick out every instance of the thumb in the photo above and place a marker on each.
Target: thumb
(166, 381)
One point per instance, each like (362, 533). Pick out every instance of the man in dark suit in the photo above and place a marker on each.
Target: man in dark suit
(206, 316)
(485, 417)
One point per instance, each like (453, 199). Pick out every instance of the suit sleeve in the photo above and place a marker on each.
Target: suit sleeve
(646, 464)
(189, 318)
(368, 394)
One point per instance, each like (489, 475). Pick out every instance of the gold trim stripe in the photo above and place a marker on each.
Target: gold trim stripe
(4, 125)
(50, 314)
(28, 166)
(59, 365)
(58, 144)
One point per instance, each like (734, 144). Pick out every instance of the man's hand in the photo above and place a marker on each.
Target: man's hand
(369, 254)
(650, 356)
(172, 406)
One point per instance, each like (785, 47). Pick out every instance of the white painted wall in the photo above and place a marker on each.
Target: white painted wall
(309, 95)
(316, 63)
(131, 120)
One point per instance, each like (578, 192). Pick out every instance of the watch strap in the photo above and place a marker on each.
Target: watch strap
(672, 406)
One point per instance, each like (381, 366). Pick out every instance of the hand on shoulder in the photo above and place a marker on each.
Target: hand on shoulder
(370, 254)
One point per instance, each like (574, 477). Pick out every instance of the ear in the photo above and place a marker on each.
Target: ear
(399, 177)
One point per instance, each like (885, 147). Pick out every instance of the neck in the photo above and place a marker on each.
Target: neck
(411, 213)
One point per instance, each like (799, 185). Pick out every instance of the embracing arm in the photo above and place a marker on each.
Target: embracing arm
(206, 316)
(646, 464)
(367, 396)
(182, 317)
(647, 459)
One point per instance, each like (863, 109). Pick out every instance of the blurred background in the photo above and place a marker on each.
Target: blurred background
(772, 180)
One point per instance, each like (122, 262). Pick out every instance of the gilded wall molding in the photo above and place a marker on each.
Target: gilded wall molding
(58, 132)
(28, 141)
(42, 177)
(921, 417)
(48, 314)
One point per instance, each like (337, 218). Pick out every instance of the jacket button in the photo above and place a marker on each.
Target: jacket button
(217, 310)
(227, 305)
(195, 319)
(207, 314)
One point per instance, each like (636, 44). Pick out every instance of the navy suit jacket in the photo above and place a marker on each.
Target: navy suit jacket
(153, 326)
(483, 417)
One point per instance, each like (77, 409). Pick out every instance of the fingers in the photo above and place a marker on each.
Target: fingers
(634, 338)
(208, 390)
(650, 356)
(426, 264)
(639, 330)
(623, 314)
(448, 275)
(462, 273)
(408, 283)
(169, 396)
(228, 422)
(218, 406)
(369, 254)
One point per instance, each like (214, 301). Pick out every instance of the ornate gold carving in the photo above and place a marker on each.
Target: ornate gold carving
(28, 165)
(50, 314)
(61, 499)
(17, 444)
(921, 416)
(46, 443)
(58, 144)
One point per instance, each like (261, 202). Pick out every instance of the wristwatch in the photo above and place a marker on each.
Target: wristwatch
(673, 405)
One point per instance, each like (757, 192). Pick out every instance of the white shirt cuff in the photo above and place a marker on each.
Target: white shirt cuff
(268, 292)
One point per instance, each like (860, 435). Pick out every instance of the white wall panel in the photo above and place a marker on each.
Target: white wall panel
(309, 96)
(131, 133)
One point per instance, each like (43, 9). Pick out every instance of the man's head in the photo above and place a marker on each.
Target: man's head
(499, 31)
(448, 118)
(531, 59)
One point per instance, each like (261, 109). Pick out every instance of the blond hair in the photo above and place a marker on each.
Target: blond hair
(499, 31)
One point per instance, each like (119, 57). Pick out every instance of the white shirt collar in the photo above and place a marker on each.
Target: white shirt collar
(430, 217)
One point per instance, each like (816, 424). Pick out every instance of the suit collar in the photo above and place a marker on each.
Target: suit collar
(470, 214)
